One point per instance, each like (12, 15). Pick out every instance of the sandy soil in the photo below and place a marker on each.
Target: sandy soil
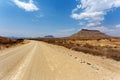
(42, 61)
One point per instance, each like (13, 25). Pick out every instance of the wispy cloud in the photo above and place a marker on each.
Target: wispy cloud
(118, 26)
(39, 15)
(29, 6)
(93, 11)
(64, 32)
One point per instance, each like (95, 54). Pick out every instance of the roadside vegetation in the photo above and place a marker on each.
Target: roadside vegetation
(105, 48)
(6, 43)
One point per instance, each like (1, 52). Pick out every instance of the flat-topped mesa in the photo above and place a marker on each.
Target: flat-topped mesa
(89, 34)
(90, 30)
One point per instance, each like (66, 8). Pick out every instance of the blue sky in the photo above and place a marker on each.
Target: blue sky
(37, 18)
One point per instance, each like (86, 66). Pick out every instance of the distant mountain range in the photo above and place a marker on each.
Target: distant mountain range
(83, 34)
(49, 36)
(89, 34)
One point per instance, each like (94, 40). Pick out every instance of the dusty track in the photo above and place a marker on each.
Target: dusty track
(42, 61)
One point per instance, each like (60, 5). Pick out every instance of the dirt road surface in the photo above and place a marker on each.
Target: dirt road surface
(42, 61)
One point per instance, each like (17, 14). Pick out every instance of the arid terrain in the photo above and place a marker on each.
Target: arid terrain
(104, 47)
(42, 61)
(59, 39)
(70, 58)
(90, 42)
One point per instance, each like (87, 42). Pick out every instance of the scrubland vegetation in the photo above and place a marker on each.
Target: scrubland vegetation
(6, 43)
(105, 47)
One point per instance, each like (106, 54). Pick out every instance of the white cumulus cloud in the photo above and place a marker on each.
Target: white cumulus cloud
(93, 11)
(27, 6)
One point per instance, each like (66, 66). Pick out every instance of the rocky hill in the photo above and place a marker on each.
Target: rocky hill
(89, 34)
(4, 40)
